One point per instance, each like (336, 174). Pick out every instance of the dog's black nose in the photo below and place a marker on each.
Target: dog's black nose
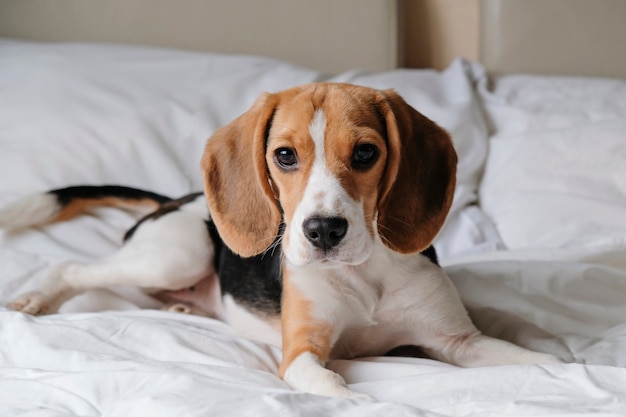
(325, 232)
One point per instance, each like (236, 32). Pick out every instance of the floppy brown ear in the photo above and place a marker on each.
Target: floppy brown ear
(236, 183)
(420, 177)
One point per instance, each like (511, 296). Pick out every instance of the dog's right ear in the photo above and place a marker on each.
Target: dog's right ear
(236, 182)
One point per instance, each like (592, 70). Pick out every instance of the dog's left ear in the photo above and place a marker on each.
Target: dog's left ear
(419, 180)
(236, 182)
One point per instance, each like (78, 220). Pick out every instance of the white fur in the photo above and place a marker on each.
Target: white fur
(308, 374)
(247, 324)
(33, 210)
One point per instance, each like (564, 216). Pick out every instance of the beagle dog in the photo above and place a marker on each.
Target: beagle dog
(323, 201)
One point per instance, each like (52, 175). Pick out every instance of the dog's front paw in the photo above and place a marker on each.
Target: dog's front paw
(34, 303)
(308, 375)
(333, 385)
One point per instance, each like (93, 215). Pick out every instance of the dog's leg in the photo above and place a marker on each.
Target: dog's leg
(307, 343)
(150, 266)
(479, 350)
(449, 335)
(52, 293)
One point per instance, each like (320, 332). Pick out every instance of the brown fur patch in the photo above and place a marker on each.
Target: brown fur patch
(80, 206)
(236, 185)
(300, 331)
(420, 178)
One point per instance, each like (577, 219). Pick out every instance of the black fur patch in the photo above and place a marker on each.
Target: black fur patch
(167, 207)
(431, 254)
(68, 194)
(254, 282)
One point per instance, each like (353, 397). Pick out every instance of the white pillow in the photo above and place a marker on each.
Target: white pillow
(556, 172)
(97, 113)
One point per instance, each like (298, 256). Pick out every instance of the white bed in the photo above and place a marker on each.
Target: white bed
(535, 241)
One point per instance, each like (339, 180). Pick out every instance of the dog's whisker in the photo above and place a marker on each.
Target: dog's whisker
(271, 249)
(401, 221)
(383, 227)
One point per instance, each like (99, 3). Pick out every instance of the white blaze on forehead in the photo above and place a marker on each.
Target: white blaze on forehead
(316, 130)
(322, 182)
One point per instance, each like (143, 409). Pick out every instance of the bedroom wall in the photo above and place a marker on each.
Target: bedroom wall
(437, 31)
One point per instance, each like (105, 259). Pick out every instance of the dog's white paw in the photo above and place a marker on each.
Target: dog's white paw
(307, 374)
(34, 303)
(336, 387)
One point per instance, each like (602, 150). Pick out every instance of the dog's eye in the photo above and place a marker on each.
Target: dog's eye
(364, 156)
(286, 158)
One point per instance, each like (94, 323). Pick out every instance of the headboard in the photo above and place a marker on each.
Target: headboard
(329, 35)
(575, 37)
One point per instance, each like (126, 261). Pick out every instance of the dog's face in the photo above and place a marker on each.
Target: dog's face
(326, 167)
(342, 166)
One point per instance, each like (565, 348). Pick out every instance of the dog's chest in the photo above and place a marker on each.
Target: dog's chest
(371, 307)
(368, 321)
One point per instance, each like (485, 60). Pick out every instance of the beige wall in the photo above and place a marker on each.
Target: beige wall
(436, 31)
(356, 33)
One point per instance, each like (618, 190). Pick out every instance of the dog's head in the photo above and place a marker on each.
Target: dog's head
(341, 165)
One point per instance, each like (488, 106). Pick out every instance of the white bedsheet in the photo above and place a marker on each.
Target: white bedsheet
(87, 114)
(153, 363)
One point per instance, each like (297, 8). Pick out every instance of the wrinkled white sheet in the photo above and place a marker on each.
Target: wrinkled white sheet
(154, 363)
(94, 114)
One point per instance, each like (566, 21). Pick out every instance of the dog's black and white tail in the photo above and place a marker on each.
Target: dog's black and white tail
(66, 203)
